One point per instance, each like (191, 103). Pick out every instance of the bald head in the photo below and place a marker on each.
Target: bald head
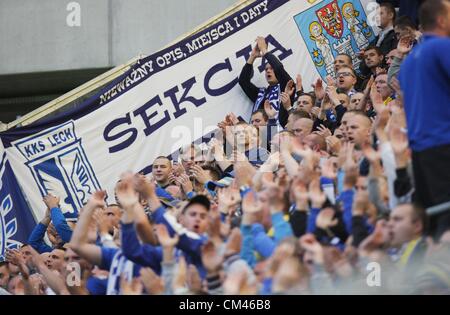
(315, 142)
(302, 127)
(358, 128)
(294, 116)
(355, 99)
(56, 259)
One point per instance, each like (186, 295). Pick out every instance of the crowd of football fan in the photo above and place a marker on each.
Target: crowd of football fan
(322, 192)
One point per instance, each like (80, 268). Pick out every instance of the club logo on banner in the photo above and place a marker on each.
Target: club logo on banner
(336, 27)
(59, 166)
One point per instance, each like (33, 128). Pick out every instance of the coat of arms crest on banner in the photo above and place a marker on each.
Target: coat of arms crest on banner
(334, 27)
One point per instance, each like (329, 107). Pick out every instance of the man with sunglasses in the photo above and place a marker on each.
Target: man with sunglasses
(346, 80)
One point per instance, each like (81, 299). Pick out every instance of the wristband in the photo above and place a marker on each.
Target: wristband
(106, 237)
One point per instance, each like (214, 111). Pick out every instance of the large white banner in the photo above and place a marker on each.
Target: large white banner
(176, 96)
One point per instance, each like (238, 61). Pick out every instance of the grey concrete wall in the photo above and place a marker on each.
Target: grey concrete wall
(34, 35)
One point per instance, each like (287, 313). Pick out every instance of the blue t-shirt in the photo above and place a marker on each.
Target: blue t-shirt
(114, 261)
(97, 286)
(425, 80)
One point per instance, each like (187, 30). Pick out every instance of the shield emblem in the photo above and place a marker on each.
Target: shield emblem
(58, 163)
(330, 18)
(326, 32)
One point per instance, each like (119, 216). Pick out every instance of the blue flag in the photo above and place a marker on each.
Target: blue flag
(16, 219)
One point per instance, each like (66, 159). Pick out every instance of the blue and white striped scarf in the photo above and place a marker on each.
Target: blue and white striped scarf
(272, 93)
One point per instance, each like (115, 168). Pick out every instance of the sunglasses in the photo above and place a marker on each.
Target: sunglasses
(345, 74)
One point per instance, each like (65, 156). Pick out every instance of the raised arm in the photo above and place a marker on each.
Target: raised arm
(281, 74)
(14, 257)
(79, 242)
(58, 219)
(36, 238)
(189, 241)
(247, 73)
(55, 282)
